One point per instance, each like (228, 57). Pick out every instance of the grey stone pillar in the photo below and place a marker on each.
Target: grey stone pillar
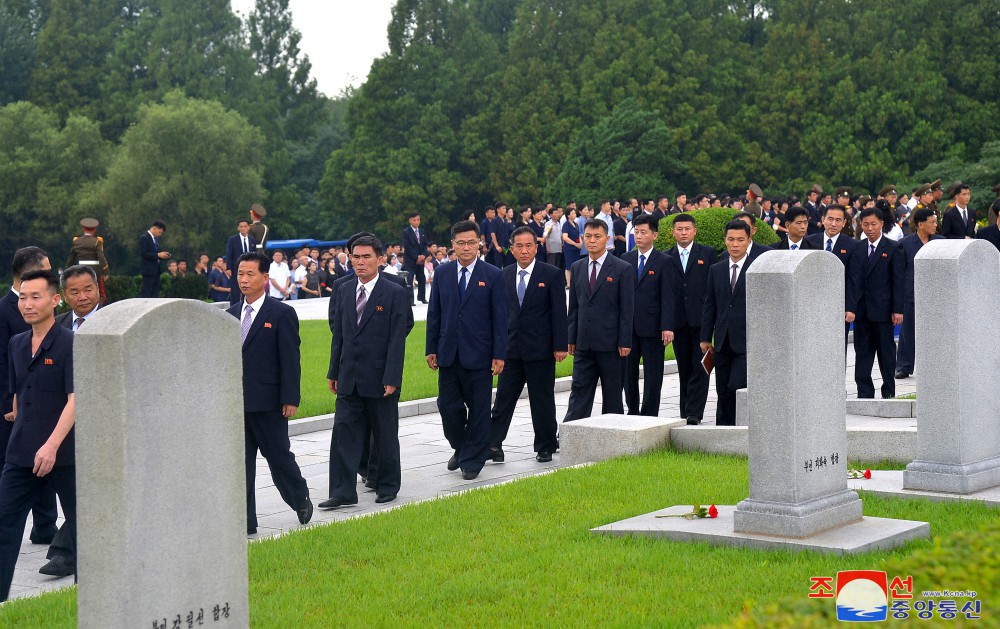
(797, 433)
(957, 298)
(161, 481)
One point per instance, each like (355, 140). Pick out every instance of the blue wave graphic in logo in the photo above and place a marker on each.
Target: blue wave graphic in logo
(854, 614)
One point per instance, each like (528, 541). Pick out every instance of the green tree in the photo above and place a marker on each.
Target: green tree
(17, 54)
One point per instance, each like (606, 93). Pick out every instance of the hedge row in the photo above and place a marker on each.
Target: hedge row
(712, 229)
(191, 286)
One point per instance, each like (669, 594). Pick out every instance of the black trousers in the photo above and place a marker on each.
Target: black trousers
(905, 354)
(540, 376)
(730, 376)
(650, 350)
(417, 271)
(690, 373)
(43, 512)
(871, 339)
(464, 397)
(151, 286)
(355, 416)
(589, 367)
(19, 490)
(268, 432)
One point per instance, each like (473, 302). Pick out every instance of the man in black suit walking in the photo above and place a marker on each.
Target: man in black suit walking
(366, 372)
(536, 341)
(875, 292)
(754, 249)
(271, 374)
(833, 240)
(797, 223)
(925, 230)
(149, 251)
(414, 254)
(725, 320)
(601, 308)
(692, 262)
(238, 244)
(959, 221)
(653, 318)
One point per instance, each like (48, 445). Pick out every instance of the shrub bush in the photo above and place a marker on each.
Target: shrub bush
(191, 286)
(711, 229)
(119, 287)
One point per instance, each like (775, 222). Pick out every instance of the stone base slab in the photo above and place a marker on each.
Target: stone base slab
(797, 520)
(604, 437)
(867, 535)
(890, 483)
(952, 478)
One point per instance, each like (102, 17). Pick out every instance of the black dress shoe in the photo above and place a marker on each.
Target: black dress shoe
(693, 421)
(370, 484)
(42, 539)
(469, 474)
(383, 498)
(58, 566)
(333, 503)
(305, 511)
(453, 462)
(901, 375)
(543, 457)
(496, 454)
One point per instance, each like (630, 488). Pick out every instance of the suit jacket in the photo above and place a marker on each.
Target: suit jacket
(271, 367)
(367, 355)
(756, 249)
(815, 218)
(785, 246)
(470, 332)
(148, 251)
(689, 291)
(537, 327)
(875, 289)
(66, 319)
(11, 323)
(413, 246)
(911, 245)
(654, 308)
(601, 321)
(842, 247)
(990, 233)
(725, 314)
(952, 225)
(332, 307)
(234, 249)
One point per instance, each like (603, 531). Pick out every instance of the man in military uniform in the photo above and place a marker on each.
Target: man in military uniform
(258, 229)
(899, 212)
(843, 195)
(88, 250)
(936, 193)
(925, 201)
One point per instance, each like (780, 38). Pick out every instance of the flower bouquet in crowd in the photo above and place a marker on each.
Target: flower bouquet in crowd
(697, 511)
(853, 473)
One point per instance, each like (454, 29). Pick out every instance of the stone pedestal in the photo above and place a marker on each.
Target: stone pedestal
(957, 291)
(798, 439)
(161, 481)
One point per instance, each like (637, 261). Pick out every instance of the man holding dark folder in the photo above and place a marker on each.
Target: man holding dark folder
(725, 320)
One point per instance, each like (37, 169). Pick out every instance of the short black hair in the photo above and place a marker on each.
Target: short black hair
(921, 215)
(48, 275)
(738, 225)
(263, 264)
(75, 271)
(835, 207)
(596, 223)
(796, 212)
(739, 215)
(646, 219)
(685, 218)
(865, 213)
(368, 241)
(464, 226)
(27, 259)
(412, 215)
(160, 224)
(353, 239)
(489, 208)
(241, 221)
(523, 229)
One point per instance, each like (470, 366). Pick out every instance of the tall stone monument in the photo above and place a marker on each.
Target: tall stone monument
(798, 437)
(160, 467)
(957, 298)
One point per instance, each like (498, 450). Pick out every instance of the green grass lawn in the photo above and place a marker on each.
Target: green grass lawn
(418, 380)
(521, 554)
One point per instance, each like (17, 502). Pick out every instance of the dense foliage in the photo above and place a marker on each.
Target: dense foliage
(711, 224)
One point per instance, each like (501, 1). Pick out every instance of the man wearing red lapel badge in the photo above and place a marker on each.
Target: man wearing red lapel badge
(271, 370)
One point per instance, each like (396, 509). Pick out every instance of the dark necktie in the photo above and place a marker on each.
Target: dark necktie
(521, 288)
(732, 280)
(871, 252)
(244, 239)
(79, 323)
(593, 275)
(829, 244)
(462, 284)
(794, 247)
(362, 300)
(642, 264)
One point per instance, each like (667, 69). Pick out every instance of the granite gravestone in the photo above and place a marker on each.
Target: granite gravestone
(798, 437)
(957, 300)
(161, 479)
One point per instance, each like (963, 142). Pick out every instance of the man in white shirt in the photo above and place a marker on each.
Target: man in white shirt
(280, 282)
(606, 216)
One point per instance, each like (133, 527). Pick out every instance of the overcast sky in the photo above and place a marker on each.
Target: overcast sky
(341, 37)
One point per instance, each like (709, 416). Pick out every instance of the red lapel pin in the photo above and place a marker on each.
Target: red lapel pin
(266, 324)
(48, 361)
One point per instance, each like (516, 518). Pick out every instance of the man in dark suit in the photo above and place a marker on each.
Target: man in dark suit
(925, 223)
(653, 316)
(414, 254)
(271, 374)
(875, 292)
(812, 207)
(149, 251)
(366, 372)
(692, 262)
(725, 320)
(833, 240)
(797, 223)
(601, 309)
(990, 233)
(959, 221)
(40, 454)
(238, 244)
(754, 249)
(466, 344)
(12, 322)
(536, 341)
